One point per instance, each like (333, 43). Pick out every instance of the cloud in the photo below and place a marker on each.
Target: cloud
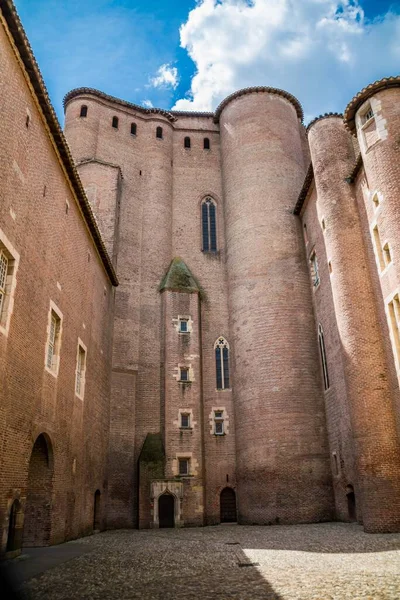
(147, 103)
(167, 76)
(323, 51)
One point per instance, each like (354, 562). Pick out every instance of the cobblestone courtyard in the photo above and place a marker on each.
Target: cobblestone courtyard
(322, 561)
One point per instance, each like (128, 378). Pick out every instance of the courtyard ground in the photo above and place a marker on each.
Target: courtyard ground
(307, 562)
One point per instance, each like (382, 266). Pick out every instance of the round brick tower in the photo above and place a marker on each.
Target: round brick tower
(368, 385)
(282, 457)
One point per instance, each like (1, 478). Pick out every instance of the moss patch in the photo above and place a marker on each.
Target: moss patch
(178, 277)
(152, 450)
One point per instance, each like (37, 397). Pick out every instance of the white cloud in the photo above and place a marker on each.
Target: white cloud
(167, 76)
(323, 51)
(147, 104)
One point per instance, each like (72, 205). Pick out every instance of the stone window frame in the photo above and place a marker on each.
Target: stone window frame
(176, 322)
(184, 460)
(224, 418)
(371, 105)
(7, 304)
(185, 411)
(207, 201)
(381, 255)
(189, 420)
(222, 343)
(177, 374)
(54, 311)
(378, 202)
(80, 376)
(392, 309)
(315, 277)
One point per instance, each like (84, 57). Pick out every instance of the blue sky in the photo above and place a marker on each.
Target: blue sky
(190, 54)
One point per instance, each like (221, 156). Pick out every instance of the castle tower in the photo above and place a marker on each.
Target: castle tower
(368, 386)
(282, 456)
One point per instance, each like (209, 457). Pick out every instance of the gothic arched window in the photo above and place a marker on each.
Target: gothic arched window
(209, 225)
(321, 343)
(222, 363)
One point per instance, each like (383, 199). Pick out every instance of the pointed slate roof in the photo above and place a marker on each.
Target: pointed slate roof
(179, 278)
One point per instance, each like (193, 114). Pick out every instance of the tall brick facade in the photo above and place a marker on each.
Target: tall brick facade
(247, 366)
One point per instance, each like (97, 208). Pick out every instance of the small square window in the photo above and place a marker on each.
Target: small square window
(185, 420)
(184, 374)
(183, 325)
(218, 414)
(183, 466)
(219, 428)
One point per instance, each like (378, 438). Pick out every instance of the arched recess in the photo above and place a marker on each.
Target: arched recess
(15, 527)
(228, 513)
(37, 522)
(97, 511)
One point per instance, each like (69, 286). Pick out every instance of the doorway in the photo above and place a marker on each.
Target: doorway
(37, 522)
(351, 503)
(96, 511)
(166, 511)
(14, 537)
(228, 506)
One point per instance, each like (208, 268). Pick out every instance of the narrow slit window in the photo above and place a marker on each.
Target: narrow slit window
(209, 225)
(378, 248)
(206, 142)
(222, 363)
(187, 142)
(394, 317)
(321, 343)
(80, 371)
(386, 254)
(133, 128)
(84, 110)
(115, 122)
(159, 133)
(314, 270)
(53, 342)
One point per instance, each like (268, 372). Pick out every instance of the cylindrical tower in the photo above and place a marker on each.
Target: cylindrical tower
(282, 454)
(369, 394)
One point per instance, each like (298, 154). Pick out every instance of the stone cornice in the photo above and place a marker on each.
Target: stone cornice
(361, 97)
(39, 89)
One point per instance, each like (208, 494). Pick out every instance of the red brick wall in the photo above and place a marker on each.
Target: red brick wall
(369, 389)
(58, 262)
(281, 443)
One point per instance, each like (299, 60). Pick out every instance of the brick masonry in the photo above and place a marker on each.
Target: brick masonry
(292, 451)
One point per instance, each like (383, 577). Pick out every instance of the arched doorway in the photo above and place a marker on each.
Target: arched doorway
(228, 506)
(351, 503)
(37, 522)
(14, 537)
(166, 511)
(96, 511)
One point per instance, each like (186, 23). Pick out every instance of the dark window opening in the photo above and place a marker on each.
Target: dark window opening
(159, 133)
(187, 142)
(351, 503)
(322, 351)
(115, 122)
(209, 226)
(184, 374)
(133, 128)
(83, 111)
(206, 144)
(27, 120)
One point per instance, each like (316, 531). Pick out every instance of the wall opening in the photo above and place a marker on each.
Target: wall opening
(351, 503)
(228, 506)
(96, 510)
(166, 510)
(37, 523)
(14, 537)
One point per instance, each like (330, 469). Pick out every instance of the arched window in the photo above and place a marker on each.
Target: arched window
(206, 144)
(209, 225)
(83, 110)
(222, 363)
(159, 133)
(133, 128)
(187, 142)
(321, 343)
(115, 122)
